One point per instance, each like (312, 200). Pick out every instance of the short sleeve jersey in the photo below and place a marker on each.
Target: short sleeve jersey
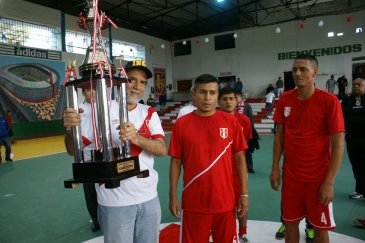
(245, 123)
(307, 128)
(186, 110)
(133, 190)
(206, 146)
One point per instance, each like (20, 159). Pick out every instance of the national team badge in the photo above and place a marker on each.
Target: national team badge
(286, 111)
(223, 132)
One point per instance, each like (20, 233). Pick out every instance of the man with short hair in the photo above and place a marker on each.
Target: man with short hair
(208, 200)
(131, 212)
(353, 108)
(280, 86)
(227, 102)
(331, 84)
(342, 86)
(151, 101)
(310, 131)
(239, 86)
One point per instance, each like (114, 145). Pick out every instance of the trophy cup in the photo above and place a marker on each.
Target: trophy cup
(107, 164)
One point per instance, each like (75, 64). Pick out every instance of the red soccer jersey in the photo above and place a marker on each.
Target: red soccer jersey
(206, 146)
(307, 128)
(245, 123)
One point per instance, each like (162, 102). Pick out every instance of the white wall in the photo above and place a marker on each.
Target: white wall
(255, 58)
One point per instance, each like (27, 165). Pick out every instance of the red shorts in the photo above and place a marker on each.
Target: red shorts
(197, 227)
(301, 200)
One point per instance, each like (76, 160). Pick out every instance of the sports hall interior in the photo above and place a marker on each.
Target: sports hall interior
(35, 206)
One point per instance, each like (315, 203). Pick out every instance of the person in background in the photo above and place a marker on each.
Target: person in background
(8, 119)
(270, 100)
(162, 100)
(151, 101)
(227, 101)
(141, 101)
(269, 89)
(280, 86)
(4, 138)
(331, 84)
(342, 86)
(353, 108)
(189, 108)
(91, 198)
(253, 143)
(239, 86)
(232, 83)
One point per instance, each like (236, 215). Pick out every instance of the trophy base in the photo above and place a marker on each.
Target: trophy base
(109, 173)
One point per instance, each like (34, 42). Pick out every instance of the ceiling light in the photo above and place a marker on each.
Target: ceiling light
(358, 30)
(331, 34)
(219, 1)
(339, 34)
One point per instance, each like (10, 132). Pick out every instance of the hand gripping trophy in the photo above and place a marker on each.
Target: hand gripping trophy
(107, 164)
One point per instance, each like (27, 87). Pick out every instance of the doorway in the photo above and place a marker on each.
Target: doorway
(288, 81)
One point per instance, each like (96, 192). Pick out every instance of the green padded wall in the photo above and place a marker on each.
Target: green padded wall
(37, 129)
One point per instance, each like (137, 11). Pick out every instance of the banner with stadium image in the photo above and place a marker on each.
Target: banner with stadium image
(31, 88)
(159, 76)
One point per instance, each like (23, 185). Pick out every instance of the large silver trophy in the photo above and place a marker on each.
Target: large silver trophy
(107, 165)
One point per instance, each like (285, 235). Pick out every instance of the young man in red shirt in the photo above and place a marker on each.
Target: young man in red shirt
(310, 131)
(204, 142)
(227, 102)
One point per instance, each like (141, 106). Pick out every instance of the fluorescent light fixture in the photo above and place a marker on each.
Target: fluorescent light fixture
(331, 34)
(220, 1)
(339, 34)
(358, 30)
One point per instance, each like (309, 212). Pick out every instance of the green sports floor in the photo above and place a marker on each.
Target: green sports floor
(35, 206)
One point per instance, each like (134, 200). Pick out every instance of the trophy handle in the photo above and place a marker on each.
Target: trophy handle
(71, 97)
(123, 117)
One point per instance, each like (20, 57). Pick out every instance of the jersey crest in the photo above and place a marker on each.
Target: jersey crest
(223, 132)
(286, 111)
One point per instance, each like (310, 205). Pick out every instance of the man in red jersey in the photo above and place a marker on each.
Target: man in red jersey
(204, 142)
(310, 131)
(227, 102)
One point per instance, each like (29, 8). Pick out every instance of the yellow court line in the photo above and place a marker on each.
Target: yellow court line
(29, 148)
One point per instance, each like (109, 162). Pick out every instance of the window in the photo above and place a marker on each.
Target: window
(181, 50)
(222, 42)
(15, 32)
(128, 51)
(78, 44)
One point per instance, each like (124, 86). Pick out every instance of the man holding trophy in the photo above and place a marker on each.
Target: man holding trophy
(130, 212)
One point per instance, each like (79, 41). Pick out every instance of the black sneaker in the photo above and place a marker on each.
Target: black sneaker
(95, 227)
(281, 233)
(360, 222)
(10, 160)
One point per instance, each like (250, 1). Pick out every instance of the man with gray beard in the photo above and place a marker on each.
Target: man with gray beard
(130, 213)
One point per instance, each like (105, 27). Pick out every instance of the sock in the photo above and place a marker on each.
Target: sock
(242, 230)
